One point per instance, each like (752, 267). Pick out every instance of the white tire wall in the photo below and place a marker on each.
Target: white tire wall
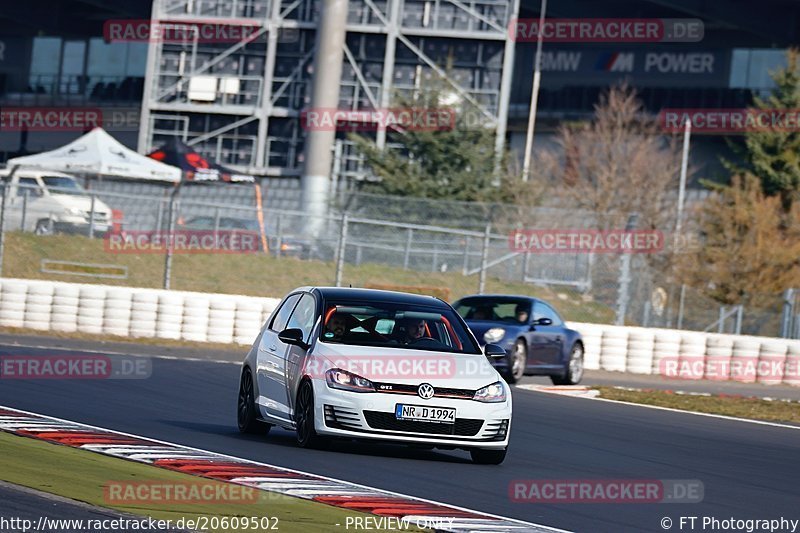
(91, 309)
(666, 352)
(38, 306)
(641, 343)
(117, 315)
(614, 348)
(719, 351)
(64, 316)
(195, 319)
(771, 362)
(691, 359)
(792, 368)
(248, 321)
(744, 361)
(12, 304)
(591, 335)
(169, 316)
(221, 320)
(144, 314)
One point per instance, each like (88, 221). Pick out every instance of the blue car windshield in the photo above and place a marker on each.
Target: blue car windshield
(395, 325)
(511, 310)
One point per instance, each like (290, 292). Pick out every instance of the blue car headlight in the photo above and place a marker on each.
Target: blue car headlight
(494, 335)
(494, 393)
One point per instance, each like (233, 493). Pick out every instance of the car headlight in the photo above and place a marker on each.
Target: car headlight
(77, 211)
(342, 379)
(494, 335)
(494, 393)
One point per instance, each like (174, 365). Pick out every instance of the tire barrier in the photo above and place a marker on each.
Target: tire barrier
(132, 312)
(223, 318)
(677, 354)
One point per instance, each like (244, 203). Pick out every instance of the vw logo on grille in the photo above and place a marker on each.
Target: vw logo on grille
(425, 391)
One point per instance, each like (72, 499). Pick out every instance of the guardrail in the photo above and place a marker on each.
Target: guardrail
(227, 318)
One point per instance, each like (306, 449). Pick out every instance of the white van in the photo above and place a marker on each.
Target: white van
(55, 203)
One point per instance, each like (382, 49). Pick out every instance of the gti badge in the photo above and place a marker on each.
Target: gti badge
(425, 391)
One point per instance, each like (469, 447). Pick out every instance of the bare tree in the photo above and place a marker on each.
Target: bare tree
(617, 164)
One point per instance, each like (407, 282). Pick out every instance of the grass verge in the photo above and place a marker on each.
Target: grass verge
(82, 475)
(261, 274)
(738, 406)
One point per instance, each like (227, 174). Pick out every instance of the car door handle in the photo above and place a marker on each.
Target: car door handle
(273, 348)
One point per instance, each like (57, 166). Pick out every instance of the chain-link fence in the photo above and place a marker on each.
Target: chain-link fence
(450, 249)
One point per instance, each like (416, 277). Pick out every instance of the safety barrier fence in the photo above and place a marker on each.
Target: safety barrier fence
(224, 318)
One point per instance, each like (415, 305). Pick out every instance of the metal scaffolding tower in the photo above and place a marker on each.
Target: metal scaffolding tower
(239, 100)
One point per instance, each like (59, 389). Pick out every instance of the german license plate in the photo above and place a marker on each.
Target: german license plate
(424, 413)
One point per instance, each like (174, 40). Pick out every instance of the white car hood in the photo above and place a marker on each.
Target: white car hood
(84, 203)
(405, 366)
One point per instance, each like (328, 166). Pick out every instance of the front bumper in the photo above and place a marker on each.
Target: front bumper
(371, 416)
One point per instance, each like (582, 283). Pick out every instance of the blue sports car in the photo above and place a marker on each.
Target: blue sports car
(536, 340)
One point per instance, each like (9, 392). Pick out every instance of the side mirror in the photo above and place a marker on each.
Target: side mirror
(493, 350)
(293, 336)
(543, 322)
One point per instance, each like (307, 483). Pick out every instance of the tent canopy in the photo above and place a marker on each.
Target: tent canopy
(97, 152)
(195, 167)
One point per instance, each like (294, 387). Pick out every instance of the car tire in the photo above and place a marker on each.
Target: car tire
(304, 418)
(246, 412)
(574, 371)
(44, 227)
(517, 361)
(487, 457)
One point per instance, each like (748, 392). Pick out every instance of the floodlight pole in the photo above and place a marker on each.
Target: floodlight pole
(537, 77)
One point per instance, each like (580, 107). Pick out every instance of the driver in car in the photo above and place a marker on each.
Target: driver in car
(414, 329)
(521, 313)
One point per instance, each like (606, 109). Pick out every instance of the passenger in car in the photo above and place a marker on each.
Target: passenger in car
(336, 327)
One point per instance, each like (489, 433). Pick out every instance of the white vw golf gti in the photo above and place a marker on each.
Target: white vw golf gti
(368, 364)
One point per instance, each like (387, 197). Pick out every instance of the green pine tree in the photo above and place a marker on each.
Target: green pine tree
(773, 156)
(453, 163)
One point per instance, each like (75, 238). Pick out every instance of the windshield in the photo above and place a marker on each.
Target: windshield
(512, 310)
(62, 185)
(395, 325)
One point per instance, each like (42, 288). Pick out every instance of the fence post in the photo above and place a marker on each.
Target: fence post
(340, 252)
(466, 256)
(788, 314)
(91, 217)
(680, 306)
(407, 254)
(170, 236)
(484, 259)
(624, 286)
(722, 315)
(279, 238)
(2, 224)
(24, 210)
(216, 223)
(739, 313)
(160, 215)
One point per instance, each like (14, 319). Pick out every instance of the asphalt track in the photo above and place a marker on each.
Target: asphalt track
(748, 471)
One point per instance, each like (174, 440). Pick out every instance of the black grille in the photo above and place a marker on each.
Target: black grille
(464, 427)
(440, 392)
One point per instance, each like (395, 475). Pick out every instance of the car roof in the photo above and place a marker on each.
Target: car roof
(376, 295)
(502, 297)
